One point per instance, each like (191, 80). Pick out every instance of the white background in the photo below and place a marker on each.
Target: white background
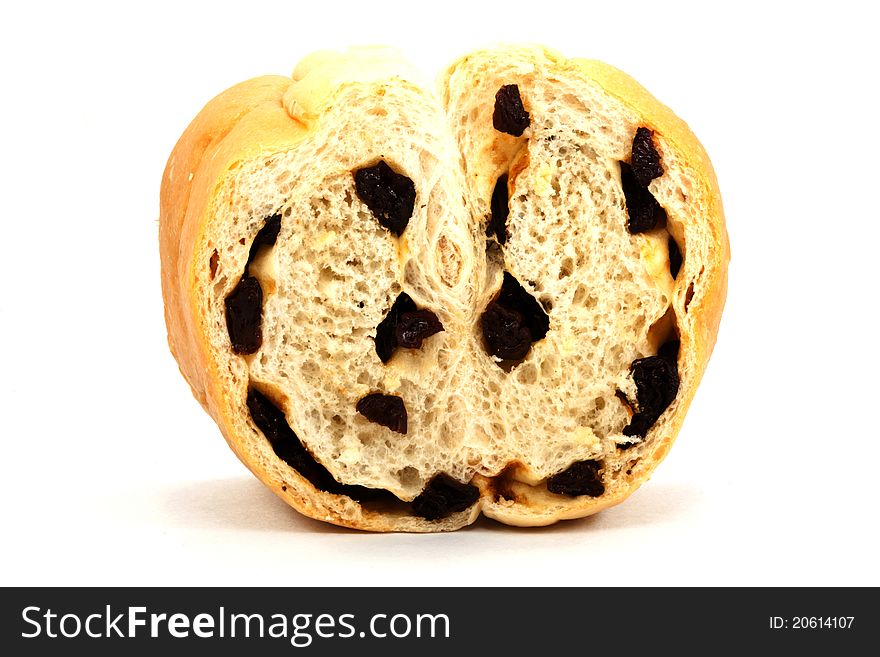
(112, 473)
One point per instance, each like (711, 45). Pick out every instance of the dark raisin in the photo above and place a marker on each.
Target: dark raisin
(506, 333)
(387, 410)
(244, 316)
(289, 448)
(404, 326)
(444, 495)
(244, 305)
(516, 297)
(363, 493)
(414, 326)
(669, 351)
(509, 116)
(581, 478)
(645, 158)
(656, 379)
(500, 210)
(675, 258)
(386, 332)
(390, 196)
(513, 321)
(641, 206)
(267, 236)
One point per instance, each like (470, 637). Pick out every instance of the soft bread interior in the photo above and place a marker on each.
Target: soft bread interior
(334, 273)
(612, 295)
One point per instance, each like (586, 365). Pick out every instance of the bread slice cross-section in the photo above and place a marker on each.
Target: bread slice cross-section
(404, 308)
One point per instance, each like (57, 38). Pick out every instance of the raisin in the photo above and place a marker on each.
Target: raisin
(404, 326)
(444, 495)
(386, 332)
(414, 326)
(390, 196)
(645, 158)
(510, 116)
(581, 478)
(516, 297)
(500, 210)
(267, 236)
(669, 351)
(387, 410)
(513, 321)
(675, 258)
(244, 316)
(365, 494)
(244, 305)
(656, 379)
(289, 448)
(506, 333)
(643, 209)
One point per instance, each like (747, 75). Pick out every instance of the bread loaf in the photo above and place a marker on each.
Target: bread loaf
(404, 308)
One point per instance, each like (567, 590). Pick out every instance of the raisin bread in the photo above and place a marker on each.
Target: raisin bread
(404, 309)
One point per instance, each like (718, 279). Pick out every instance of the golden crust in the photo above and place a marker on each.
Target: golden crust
(184, 197)
(252, 118)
